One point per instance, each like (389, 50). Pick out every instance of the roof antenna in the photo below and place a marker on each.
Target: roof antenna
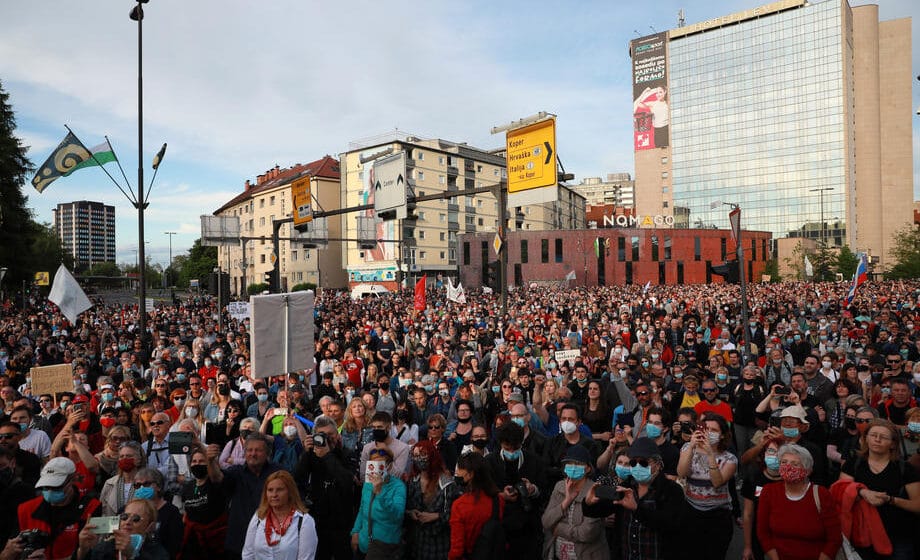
(680, 18)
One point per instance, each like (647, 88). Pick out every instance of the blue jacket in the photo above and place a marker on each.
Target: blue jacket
(388, 510)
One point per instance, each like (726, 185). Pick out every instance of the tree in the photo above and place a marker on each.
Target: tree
(797, 262)
(847, 261)
(109, 269)
(771, 269)
(256, 289)
(906, 254)
(200, 262)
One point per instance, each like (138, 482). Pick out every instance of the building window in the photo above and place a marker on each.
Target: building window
(709, 272)
(271, 201)
(480, 222)
(419, 155)
(680, 272)
(293, 256)
(261, 203)
(442, 180)
(440, 160)
(635, 248)
(544, 251)
(621, 249)
(664, 160)
(753, 249)
(664, 189)
(421, 234)
(442, 217)
(664, 174)
(722, 244)
(441, 255)
(442, 236)
(654, 248)
(262, 259)
(422, 255)
(661, 273)
(421, 215)
(667, 252)
(421, 175)
(558, 250)
(262, 220)
(524, 256)
(629, 273)
(466, 253)
(664, 204)
(696, 248)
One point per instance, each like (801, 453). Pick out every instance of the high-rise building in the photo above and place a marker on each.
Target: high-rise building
(617, 190)
(797, 111)
(87, 231)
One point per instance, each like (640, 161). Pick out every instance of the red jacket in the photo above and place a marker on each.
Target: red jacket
(467, 516)
(68, 521)
(860, 521)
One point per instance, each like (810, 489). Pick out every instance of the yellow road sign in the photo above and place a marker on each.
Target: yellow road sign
(42, 278)
(531, 156)
(303, 201)
(497, 243)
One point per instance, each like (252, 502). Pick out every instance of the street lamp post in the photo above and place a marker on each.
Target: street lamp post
(821, 191)
(137, 14)
(169, 268)
(734, 218)
(220, 315)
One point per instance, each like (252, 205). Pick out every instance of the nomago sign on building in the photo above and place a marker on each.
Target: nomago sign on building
(531, 156)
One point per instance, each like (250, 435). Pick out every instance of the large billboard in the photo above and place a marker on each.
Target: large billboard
(651, 115)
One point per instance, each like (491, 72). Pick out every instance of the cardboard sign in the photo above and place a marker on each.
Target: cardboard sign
(571, 356)
(52, 379)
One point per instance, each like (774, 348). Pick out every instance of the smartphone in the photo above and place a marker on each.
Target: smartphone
(782, 391)
(608, 493)
(180, 443)
(104, 525)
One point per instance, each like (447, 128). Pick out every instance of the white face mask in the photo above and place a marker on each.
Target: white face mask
(568, 427)
(826, 365)
(713, 437)
(191, 412)
(290, 431)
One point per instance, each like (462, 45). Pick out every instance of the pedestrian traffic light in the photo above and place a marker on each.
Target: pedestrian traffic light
(728, 270)
(493, 275)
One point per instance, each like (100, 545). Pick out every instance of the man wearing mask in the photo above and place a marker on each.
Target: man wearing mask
(534, 441)
(658, 429)
(518, 474)
(157, 448)
(59, 511)
(712, 403)
(386, 399)
(183, 360)
(579, 384)
(569, 423)
(380, 424)
(327, 482)
(385, 350)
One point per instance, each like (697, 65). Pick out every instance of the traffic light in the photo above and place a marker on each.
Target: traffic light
(271, 278)
(493, 275)
(728, 270)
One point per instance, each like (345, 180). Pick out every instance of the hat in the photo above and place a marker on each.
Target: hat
(794, 411)
(106, 387)
(643, 447)
(577, 454)
(56, 473)
(80, 399)
(516, 397)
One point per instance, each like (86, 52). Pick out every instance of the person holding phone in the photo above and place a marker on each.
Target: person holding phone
(132, 539)
(377, 532)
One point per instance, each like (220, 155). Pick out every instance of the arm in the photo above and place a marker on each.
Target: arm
(457, 534)
(683, 464)
(748, 526)
(912, 503)
(92, 465)
(306, 549)
(764, 512)
(225, 459)
(215, 475)
(249, 551)
(627, 399)
(830, 518)
(587, 530)
(833, 454)
(552, 515)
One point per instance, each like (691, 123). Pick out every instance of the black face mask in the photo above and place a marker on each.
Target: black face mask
(480, 443)
(245, 434)
(464, 420)
(849, 423)
(199, 471)
(458, 480)
(380, 435)
(223, 390)
(384, 385)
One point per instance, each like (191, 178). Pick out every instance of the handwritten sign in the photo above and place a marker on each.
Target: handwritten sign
(52, 379)
(571, 356)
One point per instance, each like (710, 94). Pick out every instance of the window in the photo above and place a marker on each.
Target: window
(466, 253)
(621, 249)
(442, 180)
(262, 259)
(558, 250)
(478, 169)
(421, 215)
(261, 203)
(421, 234)
(680, 272)
(524, 251)
(293, 256)
(635, 248)
(709, 272)
(262, 220)
(667, 253)
(441, 255)
(442, 236)
(664, 204)
(696, 248)
(419, 155)
(422, 255)
(440, 160)
(442, 217)
(664, 189)
(629, 273)
(654, 248)
(664, 160)
(722, 243)
(664, 174)
(661, 273)
(544, 251)
(421, 175)
(753, 249)
(480, 222)
(271, 201)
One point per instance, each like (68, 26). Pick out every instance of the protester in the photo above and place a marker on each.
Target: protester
(470, 512)
(281, 528)
(567, 530)
(377, 531)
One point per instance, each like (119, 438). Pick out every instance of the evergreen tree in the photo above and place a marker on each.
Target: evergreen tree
(17, 228)
(200, 262)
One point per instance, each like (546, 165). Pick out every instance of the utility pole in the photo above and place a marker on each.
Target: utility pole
(169, 268)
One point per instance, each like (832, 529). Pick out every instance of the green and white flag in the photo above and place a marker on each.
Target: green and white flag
(101, 155)
(69, 156)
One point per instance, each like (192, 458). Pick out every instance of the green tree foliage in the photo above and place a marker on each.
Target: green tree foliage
(109, 269)
(256, 289)
(906, 254)
(847, 261)
(200, 262)
(771, 269)
(303, 286)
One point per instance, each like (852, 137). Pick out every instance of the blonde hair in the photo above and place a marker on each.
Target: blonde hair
(293, 494)
(150, 512)
(351, 423)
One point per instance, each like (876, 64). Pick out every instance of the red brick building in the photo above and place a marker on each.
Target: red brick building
(622, 256)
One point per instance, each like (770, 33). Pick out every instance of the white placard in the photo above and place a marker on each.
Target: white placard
(239, 310)
(571, 356)
(390, 184)
(271, 334)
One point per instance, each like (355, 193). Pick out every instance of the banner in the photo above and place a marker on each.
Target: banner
(67, 294)
(651, 115)
(239, 310)
(571, 356)
(52, 380)
(282, 324)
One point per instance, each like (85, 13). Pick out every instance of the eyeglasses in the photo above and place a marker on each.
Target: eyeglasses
(893, 361)
(145, 484)
(158, 423)
(134, 518)
(640, 462)
(7, 436)
(159, 385)
(232, 410)
(435, 427)
(710, 390)
(506, 386)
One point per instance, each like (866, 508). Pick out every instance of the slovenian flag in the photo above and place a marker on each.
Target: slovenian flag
(859, 277)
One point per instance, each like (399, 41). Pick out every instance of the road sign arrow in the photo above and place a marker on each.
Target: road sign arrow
(377, 186)
(549, 152)
(399, 179)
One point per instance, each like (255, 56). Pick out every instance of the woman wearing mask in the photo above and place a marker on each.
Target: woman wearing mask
(145, 413)
(118, 490)
(796, 519)
(459, 431)
(191, 411)
(133, 538)
(234, 452)
(258, 409)
(708, 467)
(836, 407)
(479, 442)
(148, 485)
(403, 429)
(567, 530)
(377, 532)
(598, 416)
(479, 502)
(108, 457)
(289, 444)
(177, 398)
(227, 429)
(281, 528)
(205, 508)
(217, 406)
(764, 472)
(617, 473)
(430, 494)
(843, 443)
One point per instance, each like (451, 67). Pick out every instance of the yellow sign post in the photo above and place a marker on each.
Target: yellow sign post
(531, 156)
(42, 278)
(303, 201)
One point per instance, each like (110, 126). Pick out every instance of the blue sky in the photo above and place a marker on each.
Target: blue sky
(237, 86)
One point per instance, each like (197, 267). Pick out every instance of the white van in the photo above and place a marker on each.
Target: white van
(372, 290)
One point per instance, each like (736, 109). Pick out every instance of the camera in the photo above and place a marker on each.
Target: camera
(608, 493)
(523, 496)
(32, 540)
(782, 391)
(319, 440)
(686, 428)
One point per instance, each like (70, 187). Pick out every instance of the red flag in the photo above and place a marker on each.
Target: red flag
(420, 304)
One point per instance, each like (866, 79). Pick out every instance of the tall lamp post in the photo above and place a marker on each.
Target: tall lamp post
(822, 190)
(169, 268)
(734, 218)
(137, 14)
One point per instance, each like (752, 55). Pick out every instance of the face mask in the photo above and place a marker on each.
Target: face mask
(623, 373)
(223, 390)
(191, 412)
(721, 376)
(182, 354)
(144, 493)
(290, 431)
(793, 474)
(511, 455)
(480, 443)
(459, 481)
(886, 391)
(913, 427)
(54, 497)
(678, 375)
(207, 363)
(444, 392)
(180, 377)
(245, 433)
(652, 431)
(575, 472)
(496, 388)
(713, 438)
(790, 433)
(849, 423)
(568, 428)
(581, 381)
(772, 462)
(623, 471)
(826, 365)
(645, 363)
(137, 541)
(199, 471)
(518, 421)
(640, 473)
(916, 378)
(107, 422)
(23, 427)
(380, 435)
(421, 463)
(127, 464)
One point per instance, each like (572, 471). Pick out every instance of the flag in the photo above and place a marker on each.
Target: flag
(420, 303)
(570, 275)
(67, 294)
(859, 277)
(460, 294)
(597, 247)
(647, 286)
(451, 291)
(101, 155)
(63, 160)
(809, 269)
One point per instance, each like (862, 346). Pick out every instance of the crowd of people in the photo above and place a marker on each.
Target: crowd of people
(611, 422)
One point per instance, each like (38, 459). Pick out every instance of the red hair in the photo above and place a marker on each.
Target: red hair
(435, 462)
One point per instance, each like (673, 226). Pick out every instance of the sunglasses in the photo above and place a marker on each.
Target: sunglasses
(7, 436)
(158, 423)
(863, 420)
(506, 386)
(134, 518)
(435, 427)
(710, 390)
(640, 462)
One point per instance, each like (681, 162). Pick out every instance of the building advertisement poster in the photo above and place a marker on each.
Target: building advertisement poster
(651, 115)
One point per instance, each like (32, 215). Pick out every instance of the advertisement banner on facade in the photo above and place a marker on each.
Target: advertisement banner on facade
(651, 115)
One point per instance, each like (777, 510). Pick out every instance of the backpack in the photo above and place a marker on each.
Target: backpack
(491, 542)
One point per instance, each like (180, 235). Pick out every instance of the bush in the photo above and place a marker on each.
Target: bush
(256, 289)
(304, 286)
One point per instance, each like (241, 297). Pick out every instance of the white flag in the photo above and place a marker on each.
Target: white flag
(460, 294)
(809, 269)
(570, 275)
(647, 286)
(67, 294)
(451, 291)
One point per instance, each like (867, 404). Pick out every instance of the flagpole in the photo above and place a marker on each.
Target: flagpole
(138, 14)
(118, 162)
(99, 163)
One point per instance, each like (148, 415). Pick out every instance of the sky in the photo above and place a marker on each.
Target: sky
(236, 87)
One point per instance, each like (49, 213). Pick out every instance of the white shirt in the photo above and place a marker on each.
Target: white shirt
(37, 442)
(298, 542)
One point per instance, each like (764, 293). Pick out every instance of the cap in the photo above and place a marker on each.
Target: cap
(80, 399)
(56, 473)
(794, 411)
(516, 397)
(577, 454)
(643, 447)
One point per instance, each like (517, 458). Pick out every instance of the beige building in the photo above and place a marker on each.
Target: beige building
(428, 245)
(268, 199)
(798, 111)
(618, 189)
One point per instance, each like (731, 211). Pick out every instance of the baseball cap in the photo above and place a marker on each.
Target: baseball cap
(577, 454)
(56, 472)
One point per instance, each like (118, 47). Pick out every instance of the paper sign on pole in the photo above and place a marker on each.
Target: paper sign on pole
(52, 379)
(239, 310)
(282, 328)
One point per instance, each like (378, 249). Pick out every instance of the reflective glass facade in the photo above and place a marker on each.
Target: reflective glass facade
(759, 118)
